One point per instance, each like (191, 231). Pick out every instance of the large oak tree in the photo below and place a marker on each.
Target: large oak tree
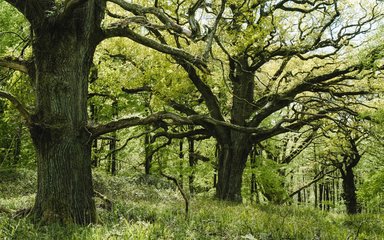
(64, 36)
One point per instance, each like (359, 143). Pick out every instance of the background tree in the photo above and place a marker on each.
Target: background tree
(268, 64)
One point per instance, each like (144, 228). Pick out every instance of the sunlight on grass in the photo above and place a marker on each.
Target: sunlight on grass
(147, 211)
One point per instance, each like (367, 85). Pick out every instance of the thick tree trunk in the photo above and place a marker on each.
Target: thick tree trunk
(236, 146)
(349, 193)
(232, 161)
(62, 142)
(63, 55)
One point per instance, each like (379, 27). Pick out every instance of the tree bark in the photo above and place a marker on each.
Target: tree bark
(232, 160)
(349, 193)
(235, 146)
(63, 53)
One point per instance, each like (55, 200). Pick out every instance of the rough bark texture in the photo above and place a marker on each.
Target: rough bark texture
(63, 53)
(235, 147)
(232, 160)
(349, 189)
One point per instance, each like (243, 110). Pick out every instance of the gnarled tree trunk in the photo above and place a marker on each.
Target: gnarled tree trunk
(349, 192)
(232, 160)
(236, 146)
(63, 53)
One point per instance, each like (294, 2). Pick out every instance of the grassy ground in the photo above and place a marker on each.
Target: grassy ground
(152, 209)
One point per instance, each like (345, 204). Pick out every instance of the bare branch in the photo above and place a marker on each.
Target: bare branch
(182, 135)
(145, 88)
(316, 179)
(136, 121)
(18, 105)
(122, 30)
(15, 64)
(141, 11)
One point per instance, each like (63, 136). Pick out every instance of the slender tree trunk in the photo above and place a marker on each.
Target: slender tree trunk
(148, 154)
(112, 144)
(192, 164)
(17, 147)
(304, 192)
(112, 148)
(95, 156)
(327, 199)
(181, 158)
(232, 160)
(321, 195)
(315, 194)
(63, 55)
(216, 165)
(254, 190)
(349, 189)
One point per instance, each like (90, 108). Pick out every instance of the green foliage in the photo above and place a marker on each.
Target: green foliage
(269, 181)
(371, 192)
(13, 28)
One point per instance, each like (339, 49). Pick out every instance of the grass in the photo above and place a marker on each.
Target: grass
(151, 208)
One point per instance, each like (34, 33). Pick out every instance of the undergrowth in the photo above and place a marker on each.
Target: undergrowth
(151, 208)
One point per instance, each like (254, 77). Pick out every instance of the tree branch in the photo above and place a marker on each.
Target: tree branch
(141, 11)
(267, 105)
(136, 121)
(18, 105)
(144, 88)
(316, 179)
(182, 135)
(16, 64)
(122, 30)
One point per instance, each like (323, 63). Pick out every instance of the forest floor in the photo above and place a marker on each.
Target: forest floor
(151, 208)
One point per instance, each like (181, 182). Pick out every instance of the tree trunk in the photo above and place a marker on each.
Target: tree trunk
(112, 143)
(148, 154)
(113, 160)
(181, 163)
(349, 189)
(95, 152)
(321, 197)
(235, 146)
(63, 53)
(192, 165)
(232, 161)
(254, 191)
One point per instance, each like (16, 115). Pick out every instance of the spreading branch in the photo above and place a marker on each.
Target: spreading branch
(121, 29)
(18, 105)
(315, 180)
(136, 121)
(16, 64)
(139, 10)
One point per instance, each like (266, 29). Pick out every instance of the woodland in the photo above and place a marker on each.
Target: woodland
(191, 119)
